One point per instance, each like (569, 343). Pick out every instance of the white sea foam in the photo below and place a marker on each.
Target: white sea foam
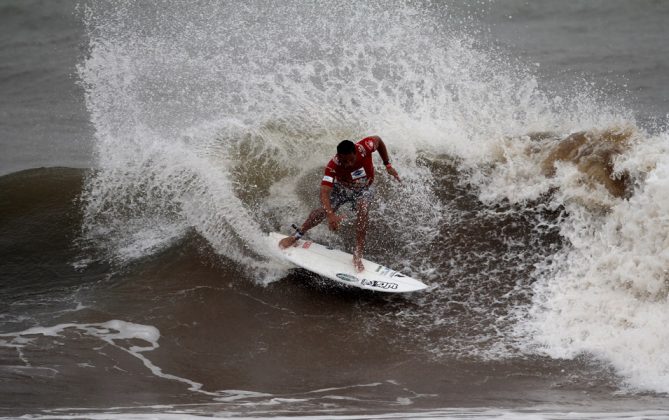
(110, 332)
(606, 294)
(219, 139)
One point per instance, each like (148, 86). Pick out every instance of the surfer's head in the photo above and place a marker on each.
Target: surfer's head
(346, 153)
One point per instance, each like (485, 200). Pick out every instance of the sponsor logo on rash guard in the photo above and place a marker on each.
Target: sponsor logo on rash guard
(360, 173)
(328, 178)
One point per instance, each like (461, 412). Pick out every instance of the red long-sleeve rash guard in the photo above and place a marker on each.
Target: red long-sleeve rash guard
(358, 176)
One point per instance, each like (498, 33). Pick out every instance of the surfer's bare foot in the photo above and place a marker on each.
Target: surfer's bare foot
(357, 263)
(287, 242)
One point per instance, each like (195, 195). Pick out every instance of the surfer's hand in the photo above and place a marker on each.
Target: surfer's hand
(393, 172)
(333, 221)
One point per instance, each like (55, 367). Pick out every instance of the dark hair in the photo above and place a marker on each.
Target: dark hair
(346, 147)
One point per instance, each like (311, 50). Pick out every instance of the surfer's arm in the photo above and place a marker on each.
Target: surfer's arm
(333, 219)
(325, 199)
(383, 151)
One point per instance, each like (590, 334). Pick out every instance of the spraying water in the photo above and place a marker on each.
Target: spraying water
(538, 219)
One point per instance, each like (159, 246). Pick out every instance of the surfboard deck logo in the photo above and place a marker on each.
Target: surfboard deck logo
(381, 284)
(347, 277)
(385, 271)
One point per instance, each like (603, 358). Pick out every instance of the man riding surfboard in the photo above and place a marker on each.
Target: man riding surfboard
(348, 178)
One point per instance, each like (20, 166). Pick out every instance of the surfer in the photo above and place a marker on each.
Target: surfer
(348, 178)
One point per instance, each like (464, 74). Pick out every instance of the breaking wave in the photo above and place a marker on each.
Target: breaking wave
(538, 219)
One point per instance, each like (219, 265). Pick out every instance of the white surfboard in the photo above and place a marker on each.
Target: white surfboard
(338, 266)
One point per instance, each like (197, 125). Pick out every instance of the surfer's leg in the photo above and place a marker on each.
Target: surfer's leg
(360, 234)
(362, 202)
(337, 198)
(313, 220)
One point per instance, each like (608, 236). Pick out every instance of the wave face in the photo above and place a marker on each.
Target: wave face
(537, 218)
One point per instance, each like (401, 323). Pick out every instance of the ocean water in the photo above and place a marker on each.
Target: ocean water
(147, 148)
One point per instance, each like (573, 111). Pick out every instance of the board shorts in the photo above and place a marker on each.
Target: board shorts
(341, 195)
